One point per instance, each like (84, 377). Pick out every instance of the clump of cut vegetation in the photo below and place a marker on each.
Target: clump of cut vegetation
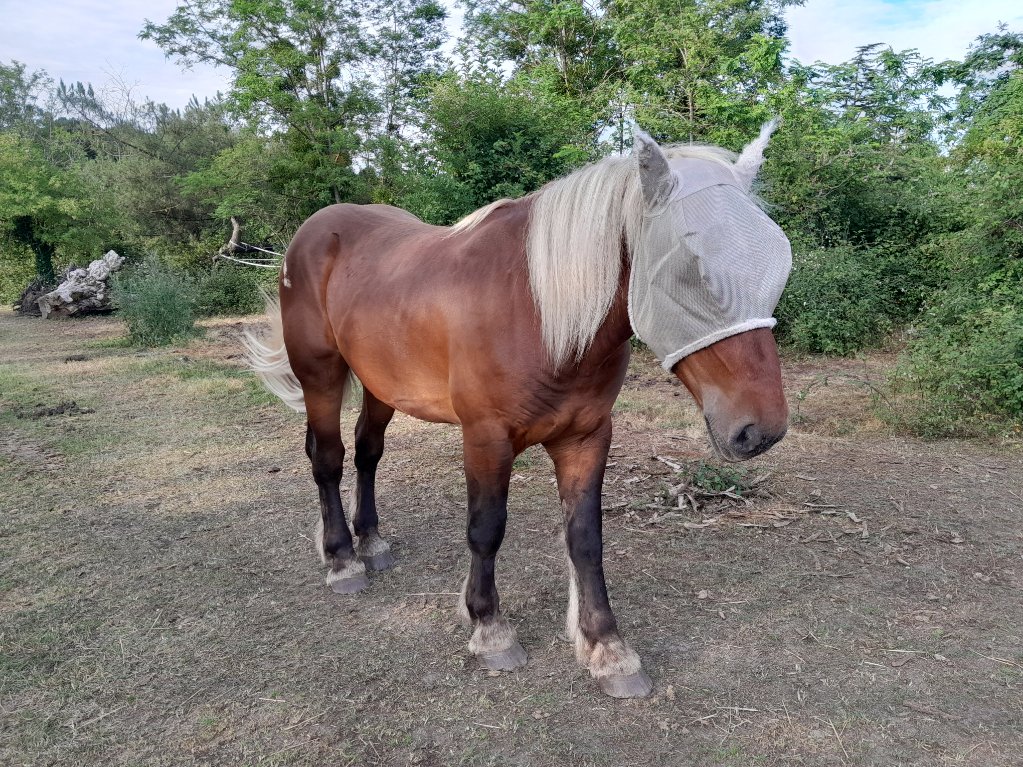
(717, 478)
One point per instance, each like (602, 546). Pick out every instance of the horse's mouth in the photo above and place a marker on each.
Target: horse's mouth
(760, 443)
(719, 451)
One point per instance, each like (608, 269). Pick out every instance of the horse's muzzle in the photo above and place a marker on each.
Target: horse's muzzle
(753, 439)
(746, 441)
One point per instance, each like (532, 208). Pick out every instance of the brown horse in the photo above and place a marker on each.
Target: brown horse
(515, 324)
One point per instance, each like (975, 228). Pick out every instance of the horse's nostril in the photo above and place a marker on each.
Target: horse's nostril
(752, 440)
(747, 437)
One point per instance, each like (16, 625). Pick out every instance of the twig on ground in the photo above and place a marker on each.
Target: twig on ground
(1004, 661)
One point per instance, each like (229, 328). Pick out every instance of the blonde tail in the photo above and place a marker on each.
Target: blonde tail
(268, 358)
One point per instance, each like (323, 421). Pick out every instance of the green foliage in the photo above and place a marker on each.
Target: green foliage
(156, 302)
(20, 91)
(967, 364)
(716, 478)
(17, 270)
(699, 70)
(856, 161)
(229, 289)
(491, 140)
(46, 209)
(836, 301)
(323, 74)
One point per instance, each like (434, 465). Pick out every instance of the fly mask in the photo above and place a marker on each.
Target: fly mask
(708, 263)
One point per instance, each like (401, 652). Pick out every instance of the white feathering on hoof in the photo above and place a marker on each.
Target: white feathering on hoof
(268, 358)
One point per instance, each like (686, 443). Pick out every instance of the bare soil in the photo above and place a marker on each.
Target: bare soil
(161, 602)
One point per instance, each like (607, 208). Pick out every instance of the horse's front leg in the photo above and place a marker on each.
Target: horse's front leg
(579, 461)
(488, 462)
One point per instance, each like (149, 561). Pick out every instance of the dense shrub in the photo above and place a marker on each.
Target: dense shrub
(230, 289)
(965, 367)
(836, 302)
(156, 302)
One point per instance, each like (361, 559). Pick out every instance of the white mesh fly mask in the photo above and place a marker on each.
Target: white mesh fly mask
(708, 262)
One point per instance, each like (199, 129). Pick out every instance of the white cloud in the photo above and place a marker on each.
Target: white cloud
(831, 30)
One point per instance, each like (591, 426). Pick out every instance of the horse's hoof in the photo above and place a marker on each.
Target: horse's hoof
(349, 578)
(636, 685)
(509, 659)
(348, 585)
(376, 562)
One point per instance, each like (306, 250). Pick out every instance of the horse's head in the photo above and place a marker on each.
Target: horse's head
(708, 268)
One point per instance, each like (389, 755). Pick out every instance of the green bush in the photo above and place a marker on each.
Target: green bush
(230, 289)
(965, 367)
(837, 301)
(16, 272)
(156, 302)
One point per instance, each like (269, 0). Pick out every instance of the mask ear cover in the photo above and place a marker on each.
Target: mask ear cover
(710, 264)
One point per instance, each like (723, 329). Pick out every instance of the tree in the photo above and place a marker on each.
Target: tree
(683, 70)
(137, 154)
(44, 207)
(19, 95)
(491, 139)
(700, 71)
(299, 66)
(405, 39)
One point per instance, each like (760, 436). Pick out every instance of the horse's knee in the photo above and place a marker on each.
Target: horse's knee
(485, 532)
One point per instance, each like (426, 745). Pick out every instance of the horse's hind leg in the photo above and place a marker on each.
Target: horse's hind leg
(488, 462)
(323, 387)
(373, 550)
(579, 462)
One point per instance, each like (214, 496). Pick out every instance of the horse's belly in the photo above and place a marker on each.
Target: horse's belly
(435, 412)
(414, 392)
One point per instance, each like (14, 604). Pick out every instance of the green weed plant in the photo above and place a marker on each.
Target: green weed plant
(156, 302)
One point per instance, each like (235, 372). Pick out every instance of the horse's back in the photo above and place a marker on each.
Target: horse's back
(401, 299)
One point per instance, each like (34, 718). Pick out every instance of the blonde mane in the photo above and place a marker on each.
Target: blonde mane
(577, 228)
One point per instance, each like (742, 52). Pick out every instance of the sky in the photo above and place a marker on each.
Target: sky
(97, 40)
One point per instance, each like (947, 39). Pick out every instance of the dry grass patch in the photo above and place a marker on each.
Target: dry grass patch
(161, 602)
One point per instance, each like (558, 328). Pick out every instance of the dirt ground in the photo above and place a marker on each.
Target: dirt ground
(161, 602)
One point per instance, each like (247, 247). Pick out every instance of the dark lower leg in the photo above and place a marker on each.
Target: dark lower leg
(369, 447)
(590, 624)
(488, 471)
(326, 453)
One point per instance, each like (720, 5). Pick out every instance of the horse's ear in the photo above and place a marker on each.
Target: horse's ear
(752, 157)
(654, 173)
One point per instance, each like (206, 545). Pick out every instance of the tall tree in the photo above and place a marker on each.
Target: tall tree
(684, 70)
(20, 91)
(405, 38)
(44, 207)
(298, 65)
(700, 71)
